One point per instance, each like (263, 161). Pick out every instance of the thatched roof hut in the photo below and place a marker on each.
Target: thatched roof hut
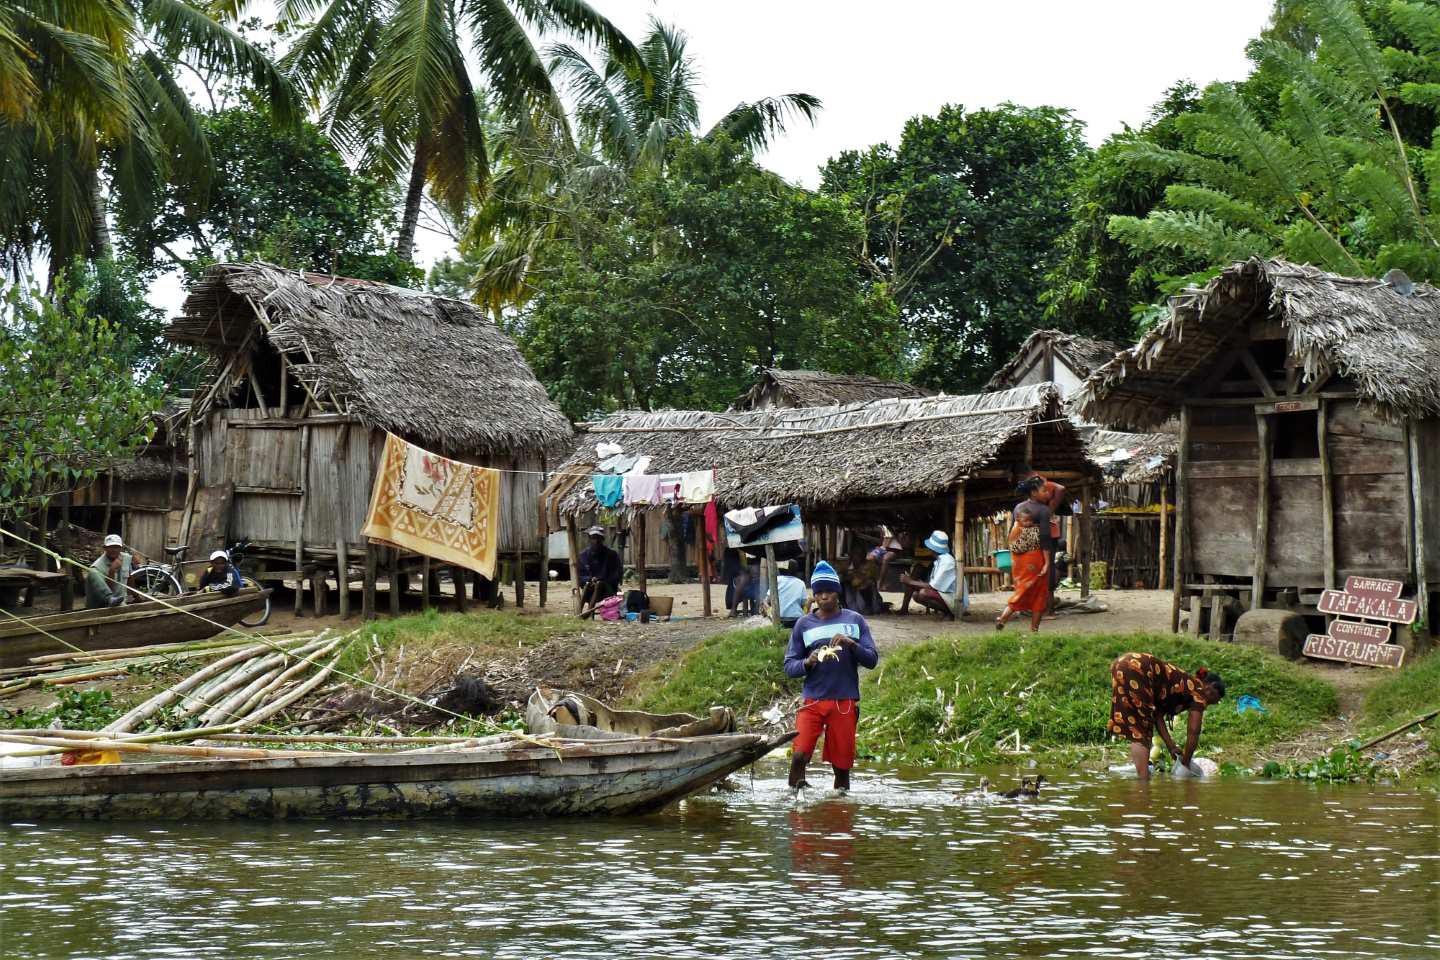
(871, 459)
(1053, 356)
(307, 374)
(1132, 457)
(1308, 406)
(814, 388)
(434, 370)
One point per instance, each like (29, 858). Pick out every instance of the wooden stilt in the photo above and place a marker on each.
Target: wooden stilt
(425, 597)
(1181, 479)
(1418, 501)
(367, 601)
(573, 536)
(772, 575)
(457, 579)
(394, 575)
(638, 551)
(1162, 579)
(1327, 497)
(1262, 513)
(518, 573)
(342, 577)
(957, 547)
(1085, 529)
(704, 540)
(300, 519)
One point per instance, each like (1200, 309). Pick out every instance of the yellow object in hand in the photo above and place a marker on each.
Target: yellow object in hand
(827, 653)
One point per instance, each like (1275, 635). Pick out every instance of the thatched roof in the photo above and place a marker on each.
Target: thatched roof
(434, 370)
(813, 388)
(1145, 457)
(1081, 354)
(834, 455)
(1386, 343)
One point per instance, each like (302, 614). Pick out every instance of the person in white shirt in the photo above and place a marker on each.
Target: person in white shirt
(938, 591)
(792, 596)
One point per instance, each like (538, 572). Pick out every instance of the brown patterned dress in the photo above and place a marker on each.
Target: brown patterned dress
(1143, 687)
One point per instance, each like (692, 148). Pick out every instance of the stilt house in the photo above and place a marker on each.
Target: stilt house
(308, 372)
(1308, 407)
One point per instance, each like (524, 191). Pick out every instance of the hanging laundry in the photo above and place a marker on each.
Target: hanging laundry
(605, 450)
(641, 489)
(435, 506)
(669, 488)
(640, 466)
(697, 487)
(609, 489)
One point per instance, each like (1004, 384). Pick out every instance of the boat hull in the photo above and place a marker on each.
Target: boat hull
(573, 779)
(198, 617)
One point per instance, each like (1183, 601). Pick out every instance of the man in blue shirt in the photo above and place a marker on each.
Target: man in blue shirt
(792, 597)
(221, 576)
(827, 648)
(937, 593)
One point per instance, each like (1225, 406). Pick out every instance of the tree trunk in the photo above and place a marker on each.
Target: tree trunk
(102, 247)
(679, 570)
(414, 192)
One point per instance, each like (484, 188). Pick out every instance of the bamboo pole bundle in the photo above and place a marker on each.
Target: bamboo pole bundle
(268, 711)
(234, 705)
(280, 681)
(204, 698)
(118, 653)
(168, 696)
(65, 744)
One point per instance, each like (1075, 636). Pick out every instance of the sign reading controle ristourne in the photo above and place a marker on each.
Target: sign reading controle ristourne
(1363, 643)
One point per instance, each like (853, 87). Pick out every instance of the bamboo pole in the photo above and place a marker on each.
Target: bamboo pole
(166, 697)
(129, 746)
(265, 713)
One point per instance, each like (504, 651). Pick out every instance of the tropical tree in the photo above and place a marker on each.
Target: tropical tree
(628, 120)
(87, 87)
(1323, 174)
(395, 89)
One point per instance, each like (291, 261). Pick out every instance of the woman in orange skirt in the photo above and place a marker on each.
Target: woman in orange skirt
(1030, 566)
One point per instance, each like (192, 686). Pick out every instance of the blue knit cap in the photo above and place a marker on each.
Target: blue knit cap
(824, 578)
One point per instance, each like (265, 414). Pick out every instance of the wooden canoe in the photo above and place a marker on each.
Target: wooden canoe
(516, 778)
(568, 713)
(200, 615)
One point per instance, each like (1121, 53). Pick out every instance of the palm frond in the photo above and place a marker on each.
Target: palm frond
(515, 70)
(755, 125)
(598, 109)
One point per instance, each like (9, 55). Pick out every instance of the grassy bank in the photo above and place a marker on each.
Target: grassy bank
(964, 699)
(488, 633)
(1410, 693)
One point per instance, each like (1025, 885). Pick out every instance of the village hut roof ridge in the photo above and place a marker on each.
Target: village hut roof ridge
(1082, 354)
(1386, 342)
(434, 370)
(815, 388)
(1151, 455)
(818, 456)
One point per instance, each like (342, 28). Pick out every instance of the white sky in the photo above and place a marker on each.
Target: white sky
(877, 63)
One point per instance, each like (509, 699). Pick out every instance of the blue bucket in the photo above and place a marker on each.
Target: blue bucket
(1002, 559)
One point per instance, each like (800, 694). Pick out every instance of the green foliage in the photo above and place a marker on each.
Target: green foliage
(1344, 765)
(71, 403)
(739, 668)
(694, 276)
(487, 631)
(961, 223)
(285, 196)
(1405, 695)
(73, 710)
(957, 699)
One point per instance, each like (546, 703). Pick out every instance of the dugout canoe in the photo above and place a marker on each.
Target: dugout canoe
(569, 713)
(521, 777)
(194, 616)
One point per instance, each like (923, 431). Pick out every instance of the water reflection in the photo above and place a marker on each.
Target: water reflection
(1097, 867)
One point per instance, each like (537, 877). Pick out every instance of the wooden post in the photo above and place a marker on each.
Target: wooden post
(394, 575)
(637, 549)
(300, 520)
(342, 577)
(705, 547)
(1162, 578)
(62, 546)
(367, 599)
(1422, 585)
(109, 501)
(1327, 496)
(957, 549)
(573, 536)
(1085, 528)
(457, 579)
(1181, 479)
(1217, 616)
(425, 583)
(519, 577)
(192, 483)
(319, 592)
(1197, 606)
(1262, 515)
(772, 576)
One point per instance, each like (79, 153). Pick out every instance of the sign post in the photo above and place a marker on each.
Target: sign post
(1368, 644)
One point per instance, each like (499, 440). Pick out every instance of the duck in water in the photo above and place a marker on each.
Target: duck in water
(1028, 789)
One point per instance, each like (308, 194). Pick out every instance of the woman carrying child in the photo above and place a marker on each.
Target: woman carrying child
(1029, 561)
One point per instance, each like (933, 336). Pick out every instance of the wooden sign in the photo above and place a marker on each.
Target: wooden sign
(1288, 406)
(1359, 632)
(784, 531)
(1324, 647)
(1374, 587)
(1345, 604)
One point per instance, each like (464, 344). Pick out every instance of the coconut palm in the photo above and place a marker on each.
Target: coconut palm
(396, 92)
(87, 84)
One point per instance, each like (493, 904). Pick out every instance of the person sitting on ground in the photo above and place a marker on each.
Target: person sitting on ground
(862, 585)
(935, 593)
(221, 576)
(600, 572)
(827, 648)
(1029, 563)
(792, 595)
(890, 546)
(106, 579)
(1145, 692)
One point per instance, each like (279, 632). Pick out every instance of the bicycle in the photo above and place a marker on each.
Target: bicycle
(167, 579)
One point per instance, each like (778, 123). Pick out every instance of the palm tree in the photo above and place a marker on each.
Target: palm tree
(395, 90)
(627, 119)
(91, 84)
(631, 116)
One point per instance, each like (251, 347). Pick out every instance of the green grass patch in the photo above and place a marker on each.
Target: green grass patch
(739, 668)
(954, 698)
(488, 632)
(1410, 693)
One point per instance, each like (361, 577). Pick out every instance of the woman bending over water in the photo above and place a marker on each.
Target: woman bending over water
(1146, 692)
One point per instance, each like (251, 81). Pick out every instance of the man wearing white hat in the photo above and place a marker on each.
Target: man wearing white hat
(106, 579)
(935, 595)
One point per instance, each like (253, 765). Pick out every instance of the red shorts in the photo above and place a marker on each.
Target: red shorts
(837, 720)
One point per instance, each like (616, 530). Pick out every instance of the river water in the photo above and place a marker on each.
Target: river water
(1101, 866)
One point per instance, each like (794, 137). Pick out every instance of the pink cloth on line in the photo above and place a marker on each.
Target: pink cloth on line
(669, 491)
(642, 489)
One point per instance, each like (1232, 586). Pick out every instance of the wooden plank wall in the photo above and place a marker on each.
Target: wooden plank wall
(1428, 442)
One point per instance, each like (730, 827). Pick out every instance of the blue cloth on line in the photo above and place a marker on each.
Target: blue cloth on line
(609, 488)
